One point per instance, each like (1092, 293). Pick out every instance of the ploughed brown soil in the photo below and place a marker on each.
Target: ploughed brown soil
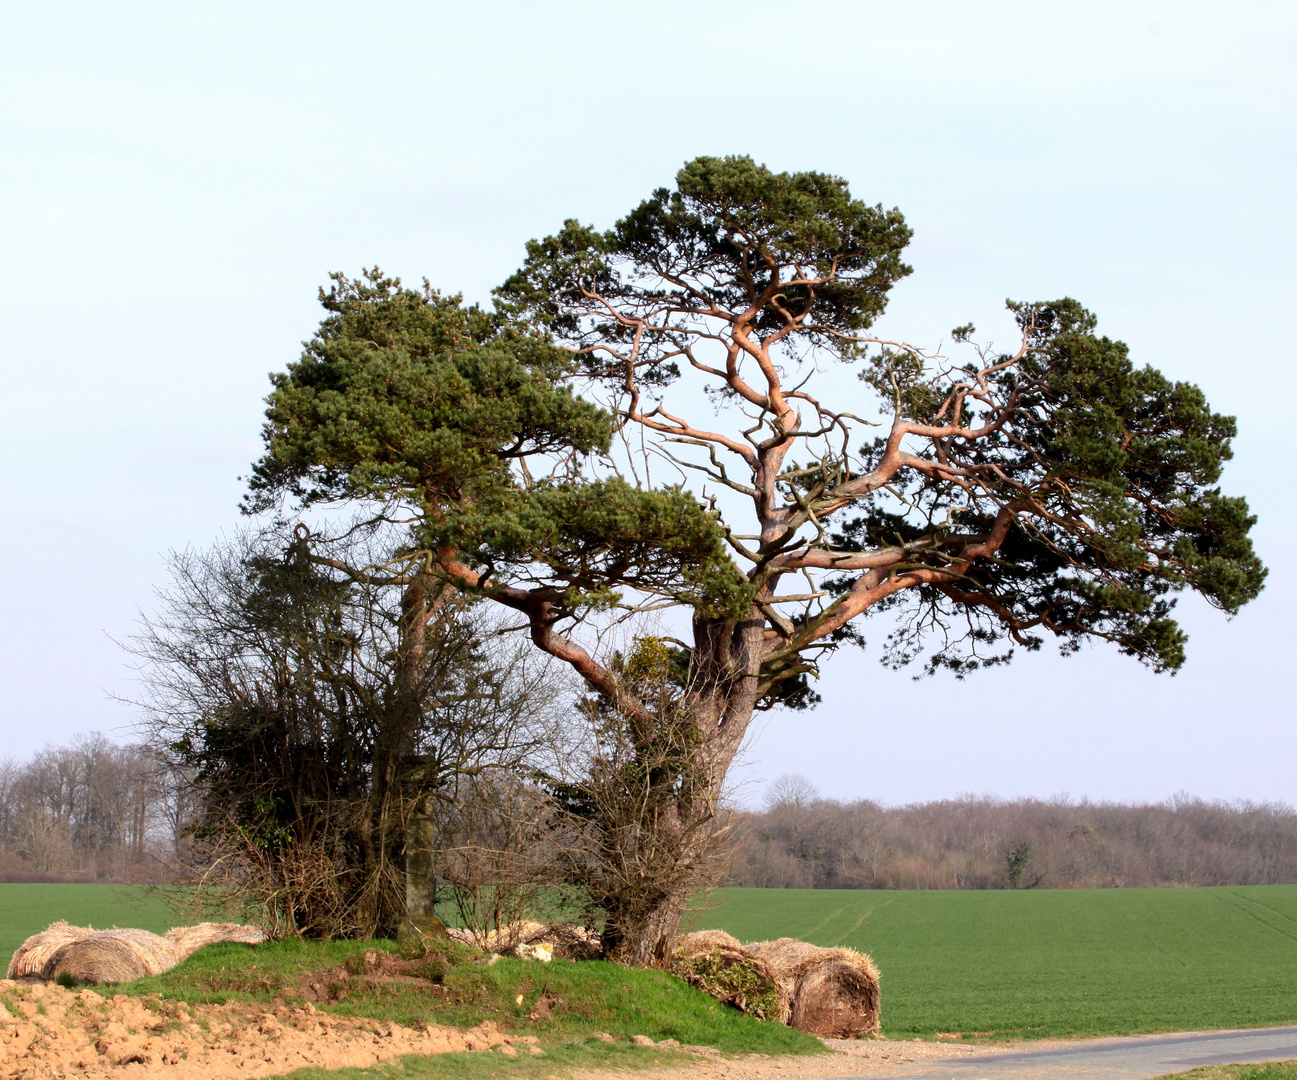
(48, 1032)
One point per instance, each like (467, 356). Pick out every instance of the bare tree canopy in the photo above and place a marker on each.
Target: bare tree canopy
(92, 810)
(1055, 489)
(317, 713)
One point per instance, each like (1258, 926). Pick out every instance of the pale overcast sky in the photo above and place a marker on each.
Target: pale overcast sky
(175, 182)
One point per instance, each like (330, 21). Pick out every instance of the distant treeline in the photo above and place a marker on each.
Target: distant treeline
(91, 811)
(98, 811)
(801, 841)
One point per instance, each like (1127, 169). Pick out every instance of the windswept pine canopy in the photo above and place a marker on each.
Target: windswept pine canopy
(983, 500)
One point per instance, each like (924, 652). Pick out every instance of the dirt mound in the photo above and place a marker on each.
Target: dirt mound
(49, 1033)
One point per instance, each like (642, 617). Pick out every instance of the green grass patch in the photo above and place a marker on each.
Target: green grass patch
(559, 1060)
(1049, 963)
(1274, 1070)
(28, 909)
(560, 1002)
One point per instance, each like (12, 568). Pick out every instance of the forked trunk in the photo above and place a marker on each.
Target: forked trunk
(646, 831)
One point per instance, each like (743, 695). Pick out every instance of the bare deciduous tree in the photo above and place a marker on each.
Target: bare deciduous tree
(92, 810)
(318, 711)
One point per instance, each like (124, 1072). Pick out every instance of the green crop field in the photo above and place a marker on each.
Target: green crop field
(1016, 964)
(25, 909)
(1057, 962)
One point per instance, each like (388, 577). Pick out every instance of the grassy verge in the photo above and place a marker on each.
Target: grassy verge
(560, 1003)
(559, 1060)
(1275, 1070)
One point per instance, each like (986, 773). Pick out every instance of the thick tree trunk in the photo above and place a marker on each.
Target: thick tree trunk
(391, 822)
(420, 877)
(649, 941)
(386, 852)
(677, 850)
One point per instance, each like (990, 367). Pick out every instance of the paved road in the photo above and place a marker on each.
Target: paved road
(1110, 1059)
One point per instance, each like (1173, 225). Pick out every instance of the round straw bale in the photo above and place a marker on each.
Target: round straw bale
(113, 956)
(703, 941)
(187, 940)
(715, 963)
(33, 955)
(833, 993)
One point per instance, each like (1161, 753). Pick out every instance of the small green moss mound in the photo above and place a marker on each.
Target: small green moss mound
(433, 970)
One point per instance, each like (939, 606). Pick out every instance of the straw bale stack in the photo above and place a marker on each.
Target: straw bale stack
(187, 940)
(519, 938)
(833, 993)
(117, 955)
(501, 940)
(35, 953)
(574, 942)
(461, 934)
(715, 963)
(701, 942)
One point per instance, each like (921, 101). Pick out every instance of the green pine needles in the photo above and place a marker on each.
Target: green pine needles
(636, 426)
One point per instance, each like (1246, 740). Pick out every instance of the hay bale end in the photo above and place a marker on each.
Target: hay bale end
(833, 993)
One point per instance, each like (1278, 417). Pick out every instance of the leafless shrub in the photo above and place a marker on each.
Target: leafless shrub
(495, 853)
(318, 710)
